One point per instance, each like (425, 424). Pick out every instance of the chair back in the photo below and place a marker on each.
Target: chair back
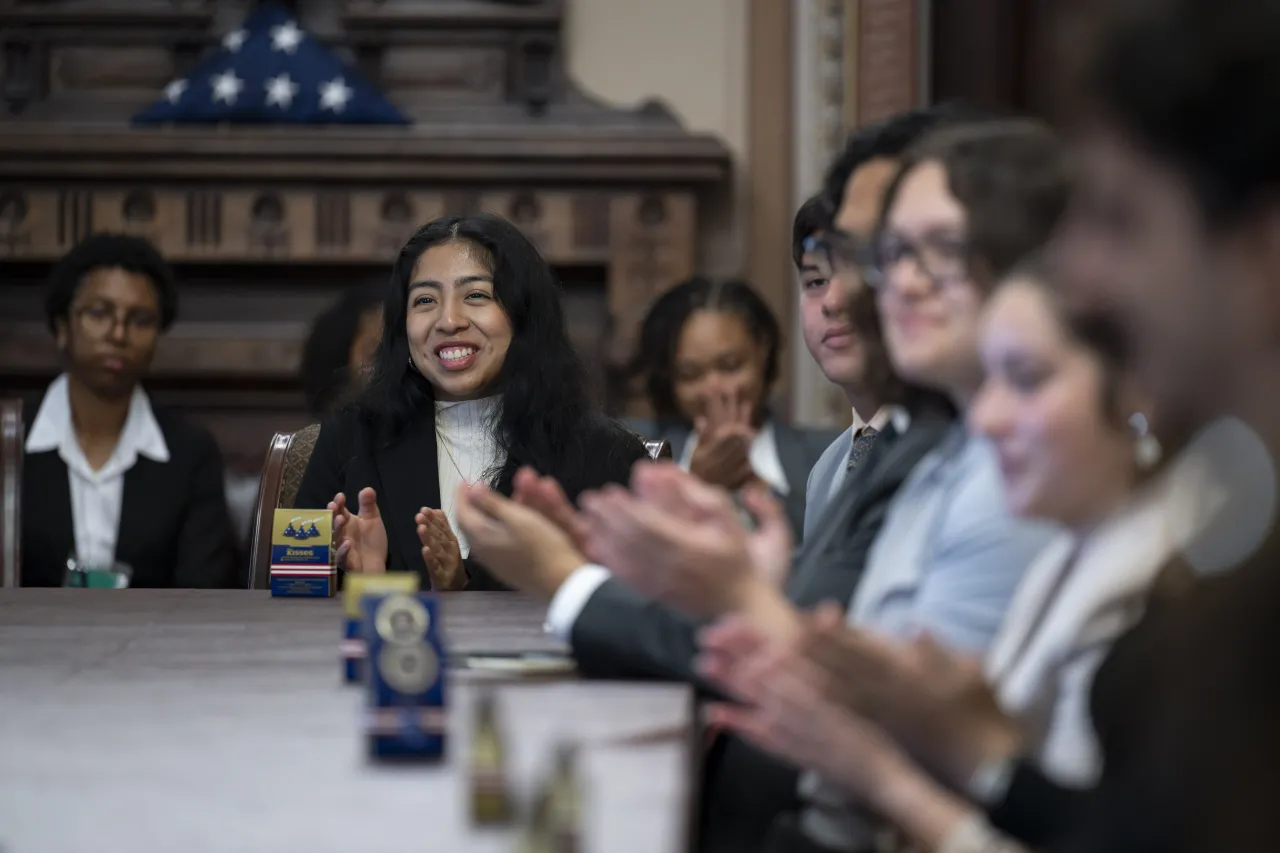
(287, 458)
(659, 450)
(12, 430)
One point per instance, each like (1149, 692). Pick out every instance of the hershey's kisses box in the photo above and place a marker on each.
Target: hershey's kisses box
(354, 588)
(302, 554)
(405, 714)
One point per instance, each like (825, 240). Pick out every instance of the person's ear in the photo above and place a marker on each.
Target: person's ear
(1130, 397)
(1254, 258)
(61, 334)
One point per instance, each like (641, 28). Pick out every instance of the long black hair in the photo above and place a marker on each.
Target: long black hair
(546, 410)
(326, 369)
(655, 355)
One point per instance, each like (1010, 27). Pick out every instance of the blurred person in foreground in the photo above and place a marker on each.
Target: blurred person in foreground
(1174, 235)
(108, 478)
(1075, 447)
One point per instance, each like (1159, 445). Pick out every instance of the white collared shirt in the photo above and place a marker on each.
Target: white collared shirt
(763, 455)
(885, 415)
(467, 450)
(96, 496)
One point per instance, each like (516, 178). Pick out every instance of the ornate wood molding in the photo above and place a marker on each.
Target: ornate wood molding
(770, 109)
(887, 58)
(61, 151)
(359, 226)
(650, 248)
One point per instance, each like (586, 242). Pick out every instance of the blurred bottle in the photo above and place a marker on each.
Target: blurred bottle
(565, 791)
(490, 793)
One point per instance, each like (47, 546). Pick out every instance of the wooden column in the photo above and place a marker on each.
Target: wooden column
(770, 193)
(886, 58)
(857, 62)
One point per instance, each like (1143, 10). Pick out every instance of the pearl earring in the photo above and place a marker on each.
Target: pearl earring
(1146, 447)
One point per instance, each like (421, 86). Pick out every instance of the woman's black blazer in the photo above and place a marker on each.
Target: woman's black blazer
(348, 456)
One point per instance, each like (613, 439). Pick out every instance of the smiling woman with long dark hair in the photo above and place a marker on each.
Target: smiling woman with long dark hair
(474, 377)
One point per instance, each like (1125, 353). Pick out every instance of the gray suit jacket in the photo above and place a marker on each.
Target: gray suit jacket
(826, 476)
(799, 449)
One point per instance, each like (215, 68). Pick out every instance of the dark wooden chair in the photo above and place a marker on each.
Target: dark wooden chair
(12, 431)
(287, 458)
(659, 450)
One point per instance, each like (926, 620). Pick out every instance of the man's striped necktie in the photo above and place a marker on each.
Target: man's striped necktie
(861, 444)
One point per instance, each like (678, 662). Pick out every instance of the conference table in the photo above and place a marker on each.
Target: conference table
(216, 720)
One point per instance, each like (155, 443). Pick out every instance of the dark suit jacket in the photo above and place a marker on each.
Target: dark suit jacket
(175, 530)
(799, 449)
(621, 634)
(348, 457)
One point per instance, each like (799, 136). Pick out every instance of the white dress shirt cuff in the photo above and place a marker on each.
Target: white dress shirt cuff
(571, 597)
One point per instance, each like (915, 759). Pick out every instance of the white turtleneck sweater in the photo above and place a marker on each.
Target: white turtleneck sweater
(467, 451)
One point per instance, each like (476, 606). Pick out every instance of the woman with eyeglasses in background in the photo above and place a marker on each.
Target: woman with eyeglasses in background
(108, 479)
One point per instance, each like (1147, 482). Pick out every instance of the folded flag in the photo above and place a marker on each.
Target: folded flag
(268, 71)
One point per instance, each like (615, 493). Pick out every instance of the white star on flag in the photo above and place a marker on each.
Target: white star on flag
(226, 86)
(235, 39)
(334, 95)
(280, 91)
(175, 90)
(286, 37)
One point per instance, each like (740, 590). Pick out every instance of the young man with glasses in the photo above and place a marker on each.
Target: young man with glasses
(616, 632)
(107, 479)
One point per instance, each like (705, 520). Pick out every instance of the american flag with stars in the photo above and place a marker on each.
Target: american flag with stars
(268, 71)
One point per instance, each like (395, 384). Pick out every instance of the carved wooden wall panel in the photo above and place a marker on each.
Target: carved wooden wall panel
(415, 78)
(266, 225)
(184, 352)
(359, 226)
(887, 58)
(95, 69)
(651, 249)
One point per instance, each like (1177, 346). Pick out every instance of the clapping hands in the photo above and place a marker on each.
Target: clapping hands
(361, 538)
(724, 433)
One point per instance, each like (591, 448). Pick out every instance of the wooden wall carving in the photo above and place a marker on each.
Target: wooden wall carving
(638, 243)
(887, 56)
(363, 226)
(266, 225)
